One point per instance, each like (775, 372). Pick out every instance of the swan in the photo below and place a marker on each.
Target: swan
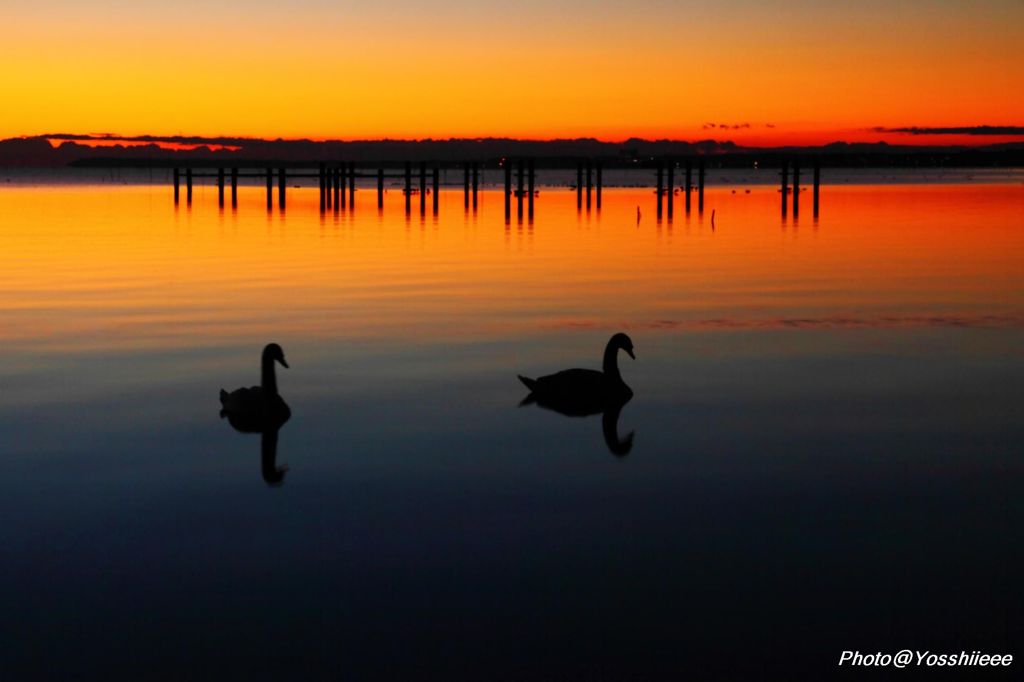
(260, 408)
(581, 392)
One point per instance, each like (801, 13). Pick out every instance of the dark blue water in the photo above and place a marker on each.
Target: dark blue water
(791, 493)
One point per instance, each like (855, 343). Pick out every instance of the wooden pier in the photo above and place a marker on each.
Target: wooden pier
(337, 183)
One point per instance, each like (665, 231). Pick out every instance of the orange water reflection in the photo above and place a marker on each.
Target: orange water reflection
(85, 268)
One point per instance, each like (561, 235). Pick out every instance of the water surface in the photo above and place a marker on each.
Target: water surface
(827, 452)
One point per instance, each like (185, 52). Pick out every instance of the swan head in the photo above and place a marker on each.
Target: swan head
(623, 342)
(274, 352)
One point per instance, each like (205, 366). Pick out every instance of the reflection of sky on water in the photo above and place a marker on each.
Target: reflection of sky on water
(793, 489)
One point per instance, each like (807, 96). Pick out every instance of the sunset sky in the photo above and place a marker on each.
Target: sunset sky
(798, 71)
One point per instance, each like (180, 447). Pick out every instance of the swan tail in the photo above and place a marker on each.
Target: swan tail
(528, 400)
(223, 396)
(528, 382)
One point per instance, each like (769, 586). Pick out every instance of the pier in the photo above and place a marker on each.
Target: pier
(337, 183)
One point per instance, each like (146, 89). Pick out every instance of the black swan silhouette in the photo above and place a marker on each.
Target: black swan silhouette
(583, 392)
(259, 408)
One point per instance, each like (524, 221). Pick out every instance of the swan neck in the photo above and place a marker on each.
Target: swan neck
(611, 361)
(269, 377)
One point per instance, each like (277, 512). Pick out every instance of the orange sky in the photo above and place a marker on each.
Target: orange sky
(654, 68)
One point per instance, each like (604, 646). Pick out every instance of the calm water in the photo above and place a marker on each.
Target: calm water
(828, 420)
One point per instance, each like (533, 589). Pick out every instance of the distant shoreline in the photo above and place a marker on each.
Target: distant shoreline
(49, 151)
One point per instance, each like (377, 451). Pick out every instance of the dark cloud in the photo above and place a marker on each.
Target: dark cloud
(957, 130)
(725, 126)
(174, 139)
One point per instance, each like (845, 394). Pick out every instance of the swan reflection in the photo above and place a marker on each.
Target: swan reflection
(272, 474)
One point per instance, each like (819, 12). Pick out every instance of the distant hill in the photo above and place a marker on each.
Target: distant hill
(150, 151)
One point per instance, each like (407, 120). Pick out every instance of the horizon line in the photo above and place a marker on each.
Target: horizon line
(914, 133)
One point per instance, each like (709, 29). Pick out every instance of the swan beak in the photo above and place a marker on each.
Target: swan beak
(284, 363)
(630, 352)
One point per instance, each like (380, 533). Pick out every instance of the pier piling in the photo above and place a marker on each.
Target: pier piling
(234, 187)
(270, 188)
(476, 182)
(323, 181)
(796, 188)
(352, 186)
(590, 181)
(660, 190)
(408, 187)
(177, 183)
(330, 174)
(532, 180)
(436, 193)
(380, 188)
(519, 189)
(689, 183)
(188, 184)
(671, 187)
(282, 187)
(326, 174)
(600, 183)
(700, 186)
(508, 189)
(423, 187)
(342, 179)
(817, 184)
(465, 186)
(220, 187)
(785, 185)
(579, 185)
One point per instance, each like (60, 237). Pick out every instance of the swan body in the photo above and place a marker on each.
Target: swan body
(258, 408)
(581, 392)
(251, 410)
